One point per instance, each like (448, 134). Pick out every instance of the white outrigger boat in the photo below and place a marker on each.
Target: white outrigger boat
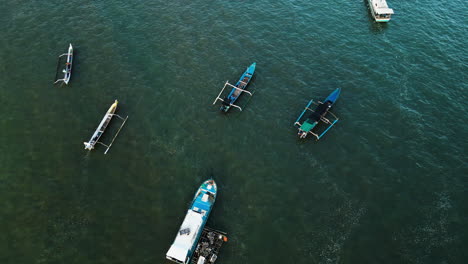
(380, 10)
(102, 127)
(68, 65)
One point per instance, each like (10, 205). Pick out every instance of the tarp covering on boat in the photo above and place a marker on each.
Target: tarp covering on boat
(320, 111)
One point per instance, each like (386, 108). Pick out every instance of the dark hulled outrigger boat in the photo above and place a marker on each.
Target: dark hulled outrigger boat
(102, 127)
(308, 124)
(237, 90)
(68, 65)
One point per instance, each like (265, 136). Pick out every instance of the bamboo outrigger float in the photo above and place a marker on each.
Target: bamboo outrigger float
(102, 127)
(68, 66)
(318, 115)
(237, 90)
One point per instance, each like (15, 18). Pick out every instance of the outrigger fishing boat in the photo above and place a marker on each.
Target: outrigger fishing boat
(68, 66)
(102, 127)
(310, 122)
(237, 90)
(185, 243)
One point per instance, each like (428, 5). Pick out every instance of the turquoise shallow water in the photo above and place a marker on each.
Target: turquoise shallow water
(386, 185)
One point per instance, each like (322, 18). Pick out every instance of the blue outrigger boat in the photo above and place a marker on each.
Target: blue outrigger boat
(237, 90)
(191, 229)
(318, 115)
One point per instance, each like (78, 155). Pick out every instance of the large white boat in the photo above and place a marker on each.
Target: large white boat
(191, 229)
(380, 10)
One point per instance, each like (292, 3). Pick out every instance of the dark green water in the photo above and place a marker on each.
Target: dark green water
(388, 184)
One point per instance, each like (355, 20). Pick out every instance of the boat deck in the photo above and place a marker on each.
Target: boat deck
(241, 84)
(320, 111)
(208, 246)
(98, 134)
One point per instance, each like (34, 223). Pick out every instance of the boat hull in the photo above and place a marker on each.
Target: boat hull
(68, 65)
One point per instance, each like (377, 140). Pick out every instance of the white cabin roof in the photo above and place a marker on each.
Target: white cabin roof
(183, 243)
(383, 11)
(380, 7)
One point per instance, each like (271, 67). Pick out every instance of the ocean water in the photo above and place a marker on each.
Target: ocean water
(388, 184)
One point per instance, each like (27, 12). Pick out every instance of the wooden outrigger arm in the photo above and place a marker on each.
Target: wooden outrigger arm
(303, 112)
(219, 98)
(236, 106)
(116, 134)
(235, 87)
(224, 87)
(323, 133)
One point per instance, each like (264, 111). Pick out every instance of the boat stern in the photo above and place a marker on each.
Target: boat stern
(384, 17)
(382, 20)
(305, 128)
(88, 146)
(225, 108)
